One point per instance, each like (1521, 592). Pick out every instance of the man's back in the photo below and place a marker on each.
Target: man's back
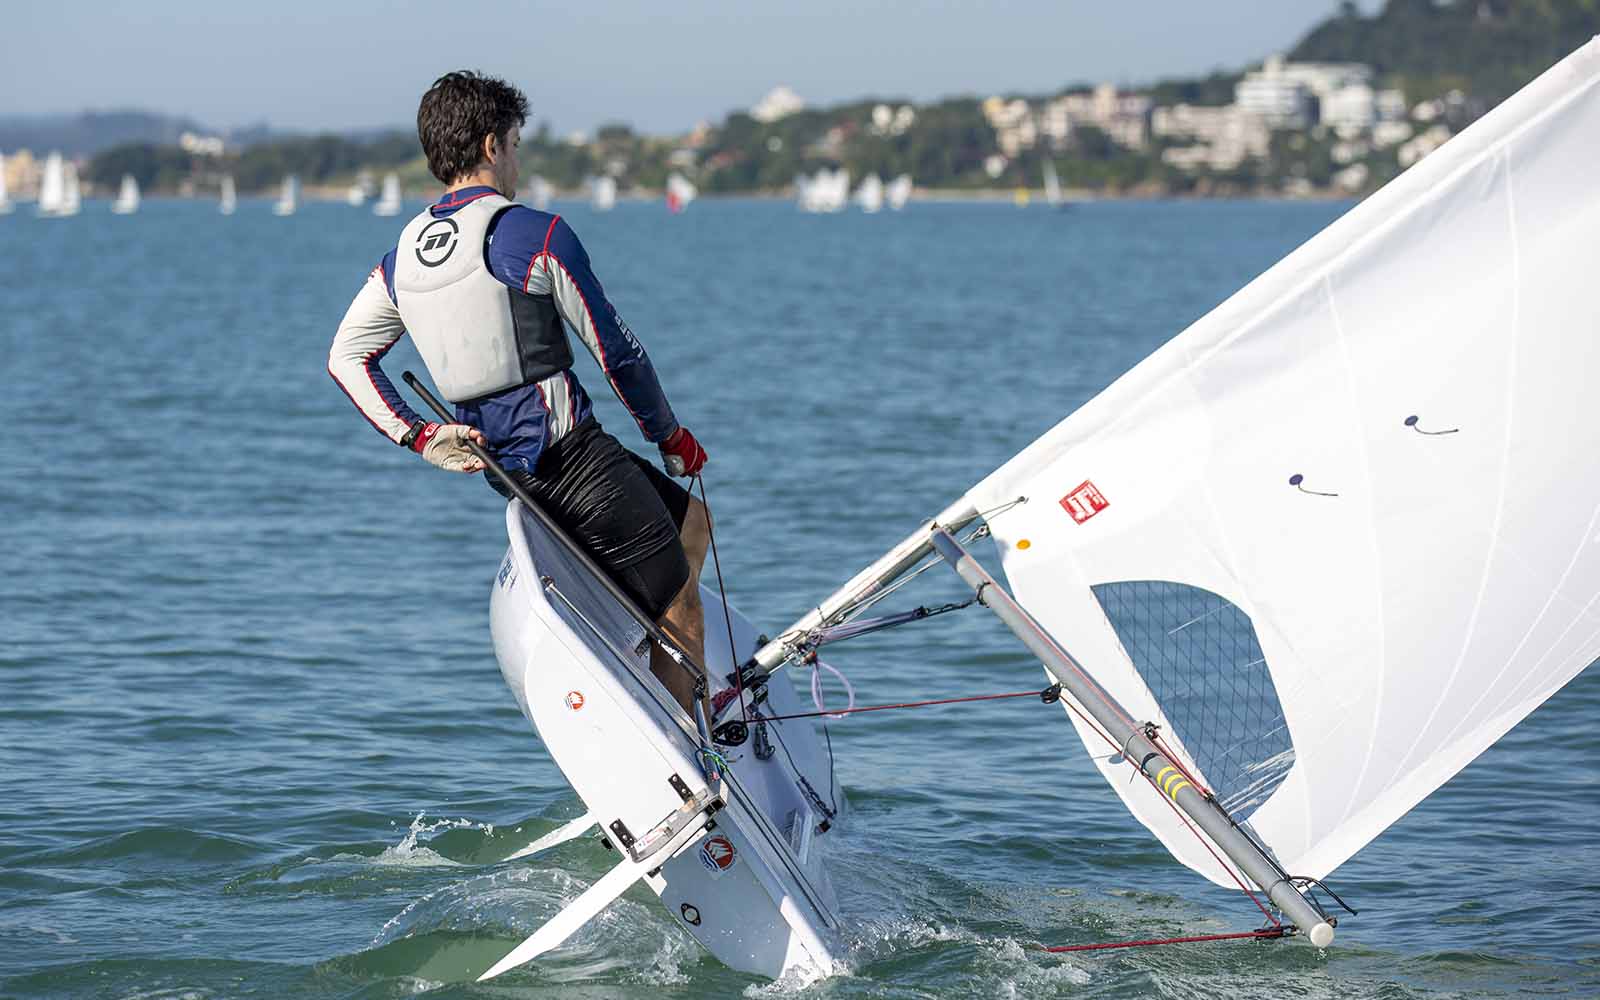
(533, 254)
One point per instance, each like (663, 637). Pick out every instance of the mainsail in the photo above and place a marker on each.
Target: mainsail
(1343, 533)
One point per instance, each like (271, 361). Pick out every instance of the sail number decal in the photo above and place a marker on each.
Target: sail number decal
(1084, 502)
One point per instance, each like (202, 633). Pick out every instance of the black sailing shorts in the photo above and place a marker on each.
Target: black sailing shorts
(623, 510)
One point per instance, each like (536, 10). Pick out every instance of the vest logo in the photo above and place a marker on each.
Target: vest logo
(1084, 502)
(717, 854)
(437, 242)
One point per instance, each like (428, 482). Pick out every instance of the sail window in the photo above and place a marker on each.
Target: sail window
(1200, 658)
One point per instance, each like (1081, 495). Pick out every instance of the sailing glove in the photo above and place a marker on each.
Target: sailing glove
(445, 445)
(681, 454)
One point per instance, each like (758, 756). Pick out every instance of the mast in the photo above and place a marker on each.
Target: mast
(1134, 744)
(892, 564)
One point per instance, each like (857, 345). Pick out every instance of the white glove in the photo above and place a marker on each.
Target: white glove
(445, 445)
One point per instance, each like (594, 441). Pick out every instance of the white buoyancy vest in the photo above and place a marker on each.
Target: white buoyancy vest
(477, 335)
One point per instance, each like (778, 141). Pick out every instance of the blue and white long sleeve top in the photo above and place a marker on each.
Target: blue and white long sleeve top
(539, 254)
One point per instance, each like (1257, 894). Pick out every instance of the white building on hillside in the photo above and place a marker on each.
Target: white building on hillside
(1124, 117)
(892, 121)
(1419, 146)
(1224, 137)
(1284, 93)
(1350, 109)
(780, 102)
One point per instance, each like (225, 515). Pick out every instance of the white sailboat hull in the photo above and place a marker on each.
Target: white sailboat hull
(752, 889)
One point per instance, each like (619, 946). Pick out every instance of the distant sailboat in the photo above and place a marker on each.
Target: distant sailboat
(73, 200)
(680, 192)
(5, 200)
(539, 193)
(230, 198)
(603, 193)
(1052, 185)
(870, 194)
(357, 194)
(127, 201)
(389, 202)
(898, 192)
(289, 200)
(58, 189)
(827, 191)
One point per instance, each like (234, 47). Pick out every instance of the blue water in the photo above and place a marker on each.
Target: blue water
(253, 741)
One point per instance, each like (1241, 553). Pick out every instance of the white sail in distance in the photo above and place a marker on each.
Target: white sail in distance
(1339, 536)
(289, 198)
(71, 195)
(680, 192)
(389, 203)
(230, 198)
(870, 194)
(1052, 185)
(127, 201)
(826, 191)
(5, 198)
(603, 193)
(898, 192)
(539, 192)
(53, 200)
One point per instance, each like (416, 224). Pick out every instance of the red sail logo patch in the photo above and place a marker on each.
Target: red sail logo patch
(1084, 502)
(717, 854)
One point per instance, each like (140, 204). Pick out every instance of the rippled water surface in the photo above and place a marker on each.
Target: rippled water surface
(253, 741)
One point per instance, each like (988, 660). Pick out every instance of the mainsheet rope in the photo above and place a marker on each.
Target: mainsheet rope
(727, 613)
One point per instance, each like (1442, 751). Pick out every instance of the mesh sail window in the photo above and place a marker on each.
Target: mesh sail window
(1199, 656)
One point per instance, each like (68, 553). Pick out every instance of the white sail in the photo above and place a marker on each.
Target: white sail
(389, 202)
(898, 192)
(360, 190)
(603, 193)
(826, 191)
(870, 194)
(56, 199)
(1052, 185)
(539, 192)
(127, 201)
(230, 198)
(71, 198)
(804, 193)
(289, 198)
(1339, 536)
(5, 199)
(680, 192)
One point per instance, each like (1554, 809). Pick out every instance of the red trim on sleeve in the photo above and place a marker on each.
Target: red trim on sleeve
(544, 251)
(367, 364)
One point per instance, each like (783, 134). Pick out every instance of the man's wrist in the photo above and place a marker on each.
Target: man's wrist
(419, 435)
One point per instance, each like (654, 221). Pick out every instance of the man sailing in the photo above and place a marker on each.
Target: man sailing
(483, 286)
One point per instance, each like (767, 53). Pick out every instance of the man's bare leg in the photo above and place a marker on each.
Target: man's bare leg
(684, 620)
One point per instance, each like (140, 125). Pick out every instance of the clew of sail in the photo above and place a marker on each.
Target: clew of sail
(1343, 533)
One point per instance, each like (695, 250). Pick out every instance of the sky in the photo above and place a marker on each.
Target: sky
(660, 66)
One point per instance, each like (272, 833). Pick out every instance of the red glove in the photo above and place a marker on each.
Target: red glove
(682, 454)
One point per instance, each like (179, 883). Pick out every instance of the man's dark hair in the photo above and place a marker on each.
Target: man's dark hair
(457, 112)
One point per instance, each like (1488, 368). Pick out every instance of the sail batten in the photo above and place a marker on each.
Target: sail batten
(1372, 465)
